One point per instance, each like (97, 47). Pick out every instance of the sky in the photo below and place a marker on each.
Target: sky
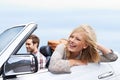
(57, 18)
(63, 4)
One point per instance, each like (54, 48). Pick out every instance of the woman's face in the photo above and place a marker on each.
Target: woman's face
(76, 42)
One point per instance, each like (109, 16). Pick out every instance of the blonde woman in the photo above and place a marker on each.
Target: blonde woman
(81, 49)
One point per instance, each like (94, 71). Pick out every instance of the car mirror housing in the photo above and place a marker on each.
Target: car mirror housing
(20, 64)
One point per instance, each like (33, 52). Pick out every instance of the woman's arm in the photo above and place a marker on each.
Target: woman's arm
(57, 63)
(107, 54)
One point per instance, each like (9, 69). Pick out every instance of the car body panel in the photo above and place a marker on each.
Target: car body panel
(92, 71)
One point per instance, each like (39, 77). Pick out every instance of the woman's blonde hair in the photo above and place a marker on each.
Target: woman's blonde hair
(90, 54)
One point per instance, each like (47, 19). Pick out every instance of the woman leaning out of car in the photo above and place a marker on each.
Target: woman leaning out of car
(82, 48)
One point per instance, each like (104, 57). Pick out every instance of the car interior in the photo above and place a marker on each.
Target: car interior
(47, 52)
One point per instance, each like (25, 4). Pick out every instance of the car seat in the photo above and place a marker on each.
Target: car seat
(47, 52)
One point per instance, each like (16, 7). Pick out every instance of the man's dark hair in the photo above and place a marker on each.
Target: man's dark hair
(35, 39)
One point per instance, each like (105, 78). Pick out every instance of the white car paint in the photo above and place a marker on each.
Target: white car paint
(92, 71)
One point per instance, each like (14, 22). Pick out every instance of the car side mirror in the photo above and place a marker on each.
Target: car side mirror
(20, 64)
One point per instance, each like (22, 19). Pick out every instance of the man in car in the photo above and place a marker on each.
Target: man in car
(32, 44)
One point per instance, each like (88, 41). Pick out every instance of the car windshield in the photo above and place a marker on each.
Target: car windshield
(7, 36)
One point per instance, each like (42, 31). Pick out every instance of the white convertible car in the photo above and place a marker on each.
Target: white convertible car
(24, 66)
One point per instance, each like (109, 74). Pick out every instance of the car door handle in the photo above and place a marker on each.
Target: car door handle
(105, 75)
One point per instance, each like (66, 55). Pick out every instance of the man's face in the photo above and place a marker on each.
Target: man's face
(29, 45)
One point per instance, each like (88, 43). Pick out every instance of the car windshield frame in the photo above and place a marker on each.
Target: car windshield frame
(16, 42)
(8, 36)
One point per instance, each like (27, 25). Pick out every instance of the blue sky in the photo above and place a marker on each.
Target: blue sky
(57, 18)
